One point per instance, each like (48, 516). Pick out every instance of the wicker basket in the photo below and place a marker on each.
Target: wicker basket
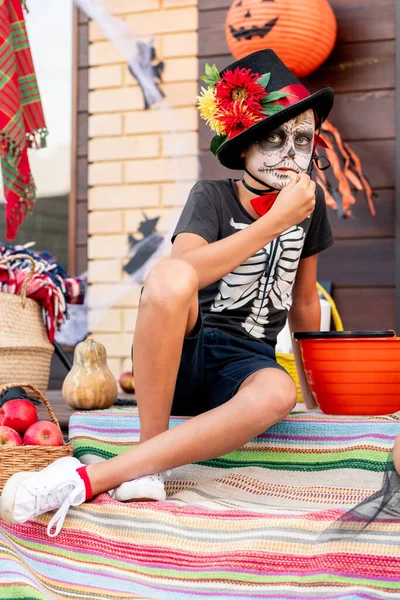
(287, 360)
(25, 349)
(14, 459)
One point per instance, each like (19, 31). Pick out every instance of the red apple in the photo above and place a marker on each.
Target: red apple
(127, 382)
(9, 437)
(18, 414)
(43, 433)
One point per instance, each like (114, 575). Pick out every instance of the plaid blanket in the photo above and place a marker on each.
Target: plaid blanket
(22, 123)
(247, 525)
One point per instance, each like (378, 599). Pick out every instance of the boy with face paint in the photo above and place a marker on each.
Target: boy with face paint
(283, 154)
(286, 150)
(244, 259)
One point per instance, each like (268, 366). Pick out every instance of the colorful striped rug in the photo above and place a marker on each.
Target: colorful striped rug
(247, 525)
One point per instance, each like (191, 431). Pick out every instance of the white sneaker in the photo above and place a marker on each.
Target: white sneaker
(29, 494)
(150, 487)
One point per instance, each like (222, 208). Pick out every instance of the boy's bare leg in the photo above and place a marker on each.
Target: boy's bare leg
(168, 311)
(264, 398)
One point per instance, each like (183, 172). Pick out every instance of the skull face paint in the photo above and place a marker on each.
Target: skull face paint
(287, 148)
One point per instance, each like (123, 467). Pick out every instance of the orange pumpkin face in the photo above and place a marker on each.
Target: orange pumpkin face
(301, 32)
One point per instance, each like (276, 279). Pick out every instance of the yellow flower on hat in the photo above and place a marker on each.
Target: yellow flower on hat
(208, 107)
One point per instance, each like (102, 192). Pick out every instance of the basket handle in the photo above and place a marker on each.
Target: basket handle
(40, 395)
(29, 276)
(335, 313)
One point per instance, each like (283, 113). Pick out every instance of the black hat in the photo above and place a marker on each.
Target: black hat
(288, 98)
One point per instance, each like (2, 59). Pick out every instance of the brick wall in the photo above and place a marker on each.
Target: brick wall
(133, 160)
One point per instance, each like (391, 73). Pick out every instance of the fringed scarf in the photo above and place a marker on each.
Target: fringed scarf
(347, 170)
(22, 123)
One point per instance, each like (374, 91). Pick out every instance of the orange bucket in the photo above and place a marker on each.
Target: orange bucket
(353, 372)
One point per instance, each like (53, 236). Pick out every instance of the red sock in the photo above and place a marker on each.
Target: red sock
(84, 476)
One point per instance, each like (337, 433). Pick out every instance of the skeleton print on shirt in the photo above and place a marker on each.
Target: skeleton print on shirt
(245, 286)
(232, 305)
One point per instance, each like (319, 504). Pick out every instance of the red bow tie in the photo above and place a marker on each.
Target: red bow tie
(262, 204)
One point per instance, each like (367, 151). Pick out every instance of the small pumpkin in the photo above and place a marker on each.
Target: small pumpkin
(301, 32)
(90, 385)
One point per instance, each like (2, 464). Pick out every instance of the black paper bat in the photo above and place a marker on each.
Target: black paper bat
(143, 248)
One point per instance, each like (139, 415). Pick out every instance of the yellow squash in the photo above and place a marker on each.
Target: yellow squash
(90, 385)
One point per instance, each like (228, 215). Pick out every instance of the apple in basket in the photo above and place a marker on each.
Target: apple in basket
(9, 437)
(18, 414)
(43, 433)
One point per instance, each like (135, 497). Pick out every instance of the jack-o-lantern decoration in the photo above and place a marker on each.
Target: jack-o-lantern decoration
(301, 32)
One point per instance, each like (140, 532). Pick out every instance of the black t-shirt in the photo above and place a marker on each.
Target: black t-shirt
(246, 302)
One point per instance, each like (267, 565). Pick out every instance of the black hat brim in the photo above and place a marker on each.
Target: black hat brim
(229, 153)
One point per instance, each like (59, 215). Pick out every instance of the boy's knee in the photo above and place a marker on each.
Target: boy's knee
(284, 397)
(273, 402)
(276, 410)
(170, 283)
(289, 399)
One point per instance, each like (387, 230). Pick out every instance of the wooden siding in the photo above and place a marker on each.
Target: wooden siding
(81, 166)
(79, 198)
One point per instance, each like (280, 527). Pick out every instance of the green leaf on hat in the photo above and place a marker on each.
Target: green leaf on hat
(264, 79)
(216, 142)
(272, 109)
(274, 96)
(210, 82)
(215, 72)
(212, 75)
(208, 70)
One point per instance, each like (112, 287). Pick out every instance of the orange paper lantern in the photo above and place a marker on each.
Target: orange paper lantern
(301, 32)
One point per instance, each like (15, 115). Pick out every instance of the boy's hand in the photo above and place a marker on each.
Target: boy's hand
(295, 202)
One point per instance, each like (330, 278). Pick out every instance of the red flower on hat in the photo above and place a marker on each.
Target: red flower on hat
(238, 119)
(234, 101)
(240, 87)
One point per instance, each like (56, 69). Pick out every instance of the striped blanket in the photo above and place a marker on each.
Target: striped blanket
(247, 525)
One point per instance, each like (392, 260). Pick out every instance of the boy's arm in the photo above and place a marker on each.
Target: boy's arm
(213, 261)
(305, 315)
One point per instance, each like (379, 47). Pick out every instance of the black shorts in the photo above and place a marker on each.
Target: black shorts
(213, 366)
